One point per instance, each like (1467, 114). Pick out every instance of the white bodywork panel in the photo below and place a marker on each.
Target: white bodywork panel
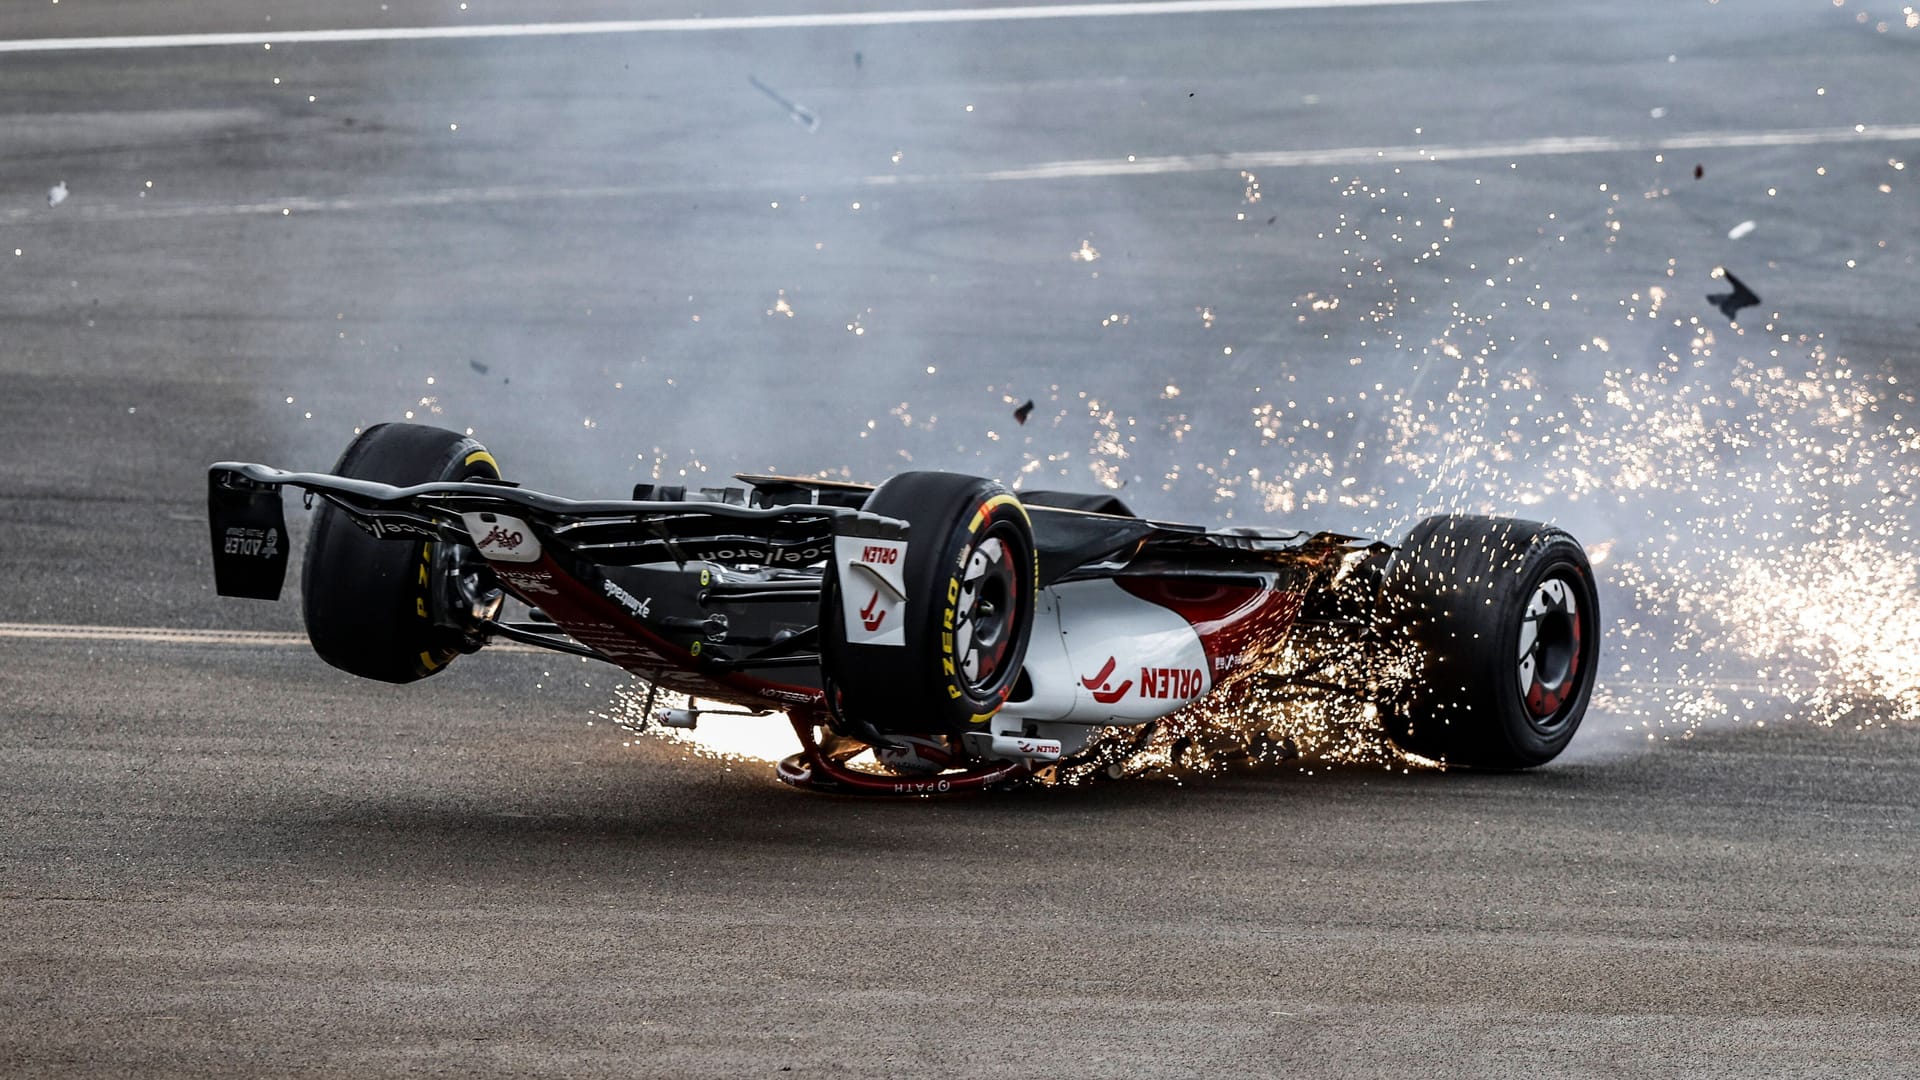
(501, 538)
(1100, 655)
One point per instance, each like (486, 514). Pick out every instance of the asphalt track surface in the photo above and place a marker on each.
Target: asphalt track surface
(229, 859)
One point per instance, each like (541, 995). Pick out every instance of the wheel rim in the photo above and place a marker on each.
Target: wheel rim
(988, 612)
(1548, 663)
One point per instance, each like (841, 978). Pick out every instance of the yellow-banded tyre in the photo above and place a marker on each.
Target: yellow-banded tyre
(971, 577)
(370, 605)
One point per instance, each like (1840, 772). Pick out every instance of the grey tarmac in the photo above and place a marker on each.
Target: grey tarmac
(219, 857)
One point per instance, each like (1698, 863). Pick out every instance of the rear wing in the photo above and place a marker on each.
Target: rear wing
(248, 524)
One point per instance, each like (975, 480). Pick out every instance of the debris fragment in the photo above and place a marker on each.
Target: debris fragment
(1730, 303)
(800, 113)
(1020, 414)
(1740, 230)
(57, 194)
(1699, 171)
(477, 366)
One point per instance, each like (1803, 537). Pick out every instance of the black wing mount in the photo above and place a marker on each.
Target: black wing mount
(249, 529)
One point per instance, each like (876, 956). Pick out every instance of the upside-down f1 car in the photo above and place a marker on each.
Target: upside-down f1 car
(966, 635)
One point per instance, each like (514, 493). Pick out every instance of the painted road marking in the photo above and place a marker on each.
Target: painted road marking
(680, 26)
(166, 635)
(160, 634)
(1396, 155)
(1057, 170)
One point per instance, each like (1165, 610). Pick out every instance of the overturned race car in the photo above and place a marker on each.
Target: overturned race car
(936, 633)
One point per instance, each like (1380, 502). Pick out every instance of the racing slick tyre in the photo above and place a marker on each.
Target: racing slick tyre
(1497, 623)
(369, 603)
(971, 577)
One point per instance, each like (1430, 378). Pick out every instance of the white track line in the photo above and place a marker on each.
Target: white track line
(163, 635)
(665, 26)
(1055, 170)
(1395, 155)
(160, 634)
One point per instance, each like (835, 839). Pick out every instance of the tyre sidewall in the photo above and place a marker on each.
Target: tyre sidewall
(1461, 702)
(368, 603)
(918, 687)
(1528, 741)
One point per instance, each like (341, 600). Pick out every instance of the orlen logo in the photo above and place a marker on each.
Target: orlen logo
(879, 556)
(1169, 682)
(873, 615)
(1099, 687)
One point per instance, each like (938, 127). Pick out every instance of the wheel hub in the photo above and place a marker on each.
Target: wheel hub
(984, 627)
(1548, 667)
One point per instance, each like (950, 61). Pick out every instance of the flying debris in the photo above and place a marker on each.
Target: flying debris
(1699, 171)
(477, 366)
(1020, 414)
(57, 194)
(1741, 230)
(800, 113)
(1730, 303)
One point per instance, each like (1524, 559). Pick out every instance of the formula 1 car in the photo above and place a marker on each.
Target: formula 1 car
(965, 636)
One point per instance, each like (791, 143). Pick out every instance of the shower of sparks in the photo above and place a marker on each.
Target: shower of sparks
(727, 737)
(1746, 493)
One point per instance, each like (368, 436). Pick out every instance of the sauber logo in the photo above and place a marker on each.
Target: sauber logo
(880, 556)
(871, 616)
(1102, 692)
(503, 539)
(1169, 682)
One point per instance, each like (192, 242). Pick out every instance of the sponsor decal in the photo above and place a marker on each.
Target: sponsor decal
(1101, 688)
(639, 608)
(537, 583)
(805, 555)
(1040, 747)
(873, 614)
(380, 529)
(1152, 682)
(928, 787)
(797, 697)
(1229, 662)
(916, 754)
(252, 542)
(872, 589)
(1169, 682)
(501, 538)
